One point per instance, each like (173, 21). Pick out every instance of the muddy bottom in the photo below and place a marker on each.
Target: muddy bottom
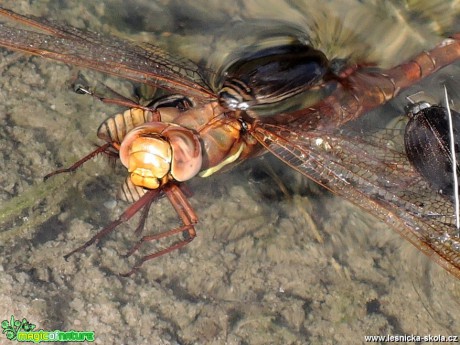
(267, 267)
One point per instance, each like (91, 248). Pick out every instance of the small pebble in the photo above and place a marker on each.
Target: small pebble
(111, 204)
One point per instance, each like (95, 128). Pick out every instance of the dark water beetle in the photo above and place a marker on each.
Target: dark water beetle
(272, 75)
(427, 144)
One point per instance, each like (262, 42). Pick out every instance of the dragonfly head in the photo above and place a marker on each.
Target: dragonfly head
(158, 152)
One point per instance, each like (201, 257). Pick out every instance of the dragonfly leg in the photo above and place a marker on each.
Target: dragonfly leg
(188, 217)
(100, 149)
(144, 215)
(120, 100)
(146, 199)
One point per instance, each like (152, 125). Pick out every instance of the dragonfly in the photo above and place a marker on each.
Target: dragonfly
(315, 141)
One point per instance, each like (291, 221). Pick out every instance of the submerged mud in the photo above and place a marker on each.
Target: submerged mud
(267, 267)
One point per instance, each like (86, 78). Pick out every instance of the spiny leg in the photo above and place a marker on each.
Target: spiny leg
(121, 101)
(146, 199)
(101, 149)
(144, 214)
(187, 215)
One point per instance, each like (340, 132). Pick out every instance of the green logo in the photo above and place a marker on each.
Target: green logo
(24, 331)
(11, 329)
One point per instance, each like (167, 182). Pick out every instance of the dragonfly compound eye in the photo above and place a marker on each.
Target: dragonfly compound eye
(157, 152)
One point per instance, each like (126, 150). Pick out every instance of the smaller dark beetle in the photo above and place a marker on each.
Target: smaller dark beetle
(427, 144)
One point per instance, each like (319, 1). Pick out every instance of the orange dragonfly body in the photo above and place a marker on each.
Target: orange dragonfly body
(162, 147)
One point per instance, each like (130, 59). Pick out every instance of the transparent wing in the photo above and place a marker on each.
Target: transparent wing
(375, 177)
(142, 63)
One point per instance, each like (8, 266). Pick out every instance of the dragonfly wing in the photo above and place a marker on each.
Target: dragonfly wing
(376, 178)
(109, 54)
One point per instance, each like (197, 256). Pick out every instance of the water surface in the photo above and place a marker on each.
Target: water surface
(266, 268)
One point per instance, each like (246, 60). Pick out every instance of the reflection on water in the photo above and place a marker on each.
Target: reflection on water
(277, 259)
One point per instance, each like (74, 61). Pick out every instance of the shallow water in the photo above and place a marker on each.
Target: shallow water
(265, 268)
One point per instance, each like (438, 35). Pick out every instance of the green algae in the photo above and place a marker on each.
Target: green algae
(23, 213)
